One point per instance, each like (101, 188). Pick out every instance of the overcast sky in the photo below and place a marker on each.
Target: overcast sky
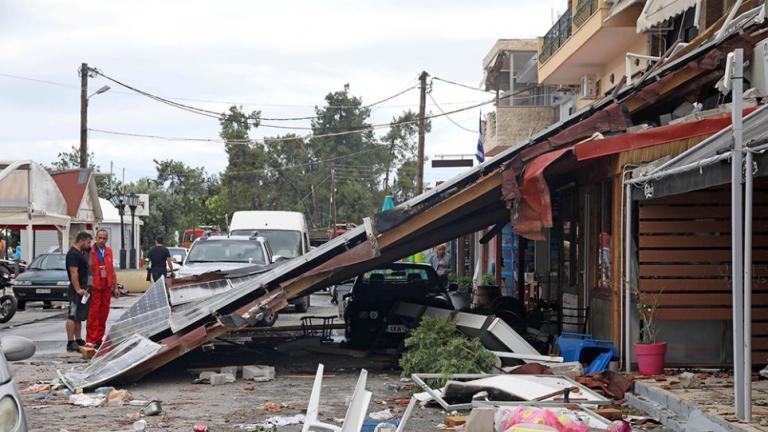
(280, 57)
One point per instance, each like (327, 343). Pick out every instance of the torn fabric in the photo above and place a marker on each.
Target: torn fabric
(533, 211)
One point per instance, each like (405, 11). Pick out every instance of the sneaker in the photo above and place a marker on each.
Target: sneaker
(73, 346)
(80, 342)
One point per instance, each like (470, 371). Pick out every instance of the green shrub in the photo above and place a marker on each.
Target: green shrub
(437, 346)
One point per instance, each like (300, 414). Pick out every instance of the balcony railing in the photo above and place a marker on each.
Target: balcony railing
(565, 26)
(556, 36)
(584, 10)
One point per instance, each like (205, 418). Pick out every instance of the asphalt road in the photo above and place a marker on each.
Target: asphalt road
(45, 327)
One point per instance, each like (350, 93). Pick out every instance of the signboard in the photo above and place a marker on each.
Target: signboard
(143, 208)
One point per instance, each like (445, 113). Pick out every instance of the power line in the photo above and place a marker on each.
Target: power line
(448, 117)
(310, 136)
(459, 84)
(219, 115)
(229, 102)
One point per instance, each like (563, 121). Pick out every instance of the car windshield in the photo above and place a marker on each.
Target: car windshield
(283, 242)
(49, 262)
(236, 251)
(401, 277)
(397, 275)
(177, 254)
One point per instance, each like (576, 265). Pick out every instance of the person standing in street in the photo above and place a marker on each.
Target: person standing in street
(78, 274)
(439, 261)
(159, 260)
(104, 286)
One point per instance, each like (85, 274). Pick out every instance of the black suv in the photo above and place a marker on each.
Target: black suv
(375, 293)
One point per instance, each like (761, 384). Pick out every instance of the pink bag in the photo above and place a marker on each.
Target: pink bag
(508, 417)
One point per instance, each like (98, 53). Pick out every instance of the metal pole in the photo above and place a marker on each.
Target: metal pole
(627, 282)
(133, 239)
(121, 211)
(737, 239)
(585, 276)
(422, 131)
(748, 191)
(84, 115)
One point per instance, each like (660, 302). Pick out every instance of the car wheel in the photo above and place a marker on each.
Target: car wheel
(303, 304)
(21, 305)
(7, 308)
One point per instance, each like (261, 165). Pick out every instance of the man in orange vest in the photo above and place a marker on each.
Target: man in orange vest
(103, 287)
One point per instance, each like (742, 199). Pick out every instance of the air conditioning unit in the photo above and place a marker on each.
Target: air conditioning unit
(588, 87)
(760, 68)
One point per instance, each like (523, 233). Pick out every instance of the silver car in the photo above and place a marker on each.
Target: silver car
(13, 348)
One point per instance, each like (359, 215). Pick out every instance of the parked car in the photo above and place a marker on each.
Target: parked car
(214, 253)
(45, 280)
(286, 232)
(12, 348)
(375, 293)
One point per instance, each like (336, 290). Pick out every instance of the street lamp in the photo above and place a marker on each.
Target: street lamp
(119, 202)
(133, 202)
(103, 89)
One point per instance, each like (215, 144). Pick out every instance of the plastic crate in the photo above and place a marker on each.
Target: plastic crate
(369, 425)
(593, 353)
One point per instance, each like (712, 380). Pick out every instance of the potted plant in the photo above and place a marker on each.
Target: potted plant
(486, 292)
(650, 353)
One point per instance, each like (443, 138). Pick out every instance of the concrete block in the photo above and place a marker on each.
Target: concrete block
(221, 378)
(232, 370)
(206, 375)
(259, 373)
(480, 419)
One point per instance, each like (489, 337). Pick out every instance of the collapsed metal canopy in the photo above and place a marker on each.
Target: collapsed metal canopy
(161, 331)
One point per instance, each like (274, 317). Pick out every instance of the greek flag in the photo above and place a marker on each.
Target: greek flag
(480, 154)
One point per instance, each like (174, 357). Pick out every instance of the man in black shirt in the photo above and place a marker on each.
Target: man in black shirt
(159, 260)
(78, 274)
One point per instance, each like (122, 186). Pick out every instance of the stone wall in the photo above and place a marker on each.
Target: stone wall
(513, 125)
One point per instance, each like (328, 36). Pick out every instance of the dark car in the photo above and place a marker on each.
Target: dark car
(45, 280)
(375, 293)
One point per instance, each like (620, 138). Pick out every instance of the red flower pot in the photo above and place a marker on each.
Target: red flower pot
(650, 357)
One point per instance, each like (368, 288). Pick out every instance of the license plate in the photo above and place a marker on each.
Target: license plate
(395, 328)
(43, 291)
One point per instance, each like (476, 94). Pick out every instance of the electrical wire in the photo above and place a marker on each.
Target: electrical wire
(227, 102)
(288, 167)
(219, 115)
(448, 117)
(459, 84)
(310, 136)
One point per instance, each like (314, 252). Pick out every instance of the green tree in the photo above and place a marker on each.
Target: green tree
(244, 182)
(358, 160)
(404, 187)
(402, 140)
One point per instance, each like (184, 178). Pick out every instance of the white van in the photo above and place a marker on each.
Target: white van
(286, 232)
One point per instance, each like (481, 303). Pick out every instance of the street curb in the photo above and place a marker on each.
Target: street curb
(677, 414)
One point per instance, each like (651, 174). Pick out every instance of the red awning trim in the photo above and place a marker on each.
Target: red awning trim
(533, 211)
(655, 136)
(34, 227)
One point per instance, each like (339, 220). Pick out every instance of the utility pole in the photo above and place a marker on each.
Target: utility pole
(333, 202)
(422, 127)
(84, 115)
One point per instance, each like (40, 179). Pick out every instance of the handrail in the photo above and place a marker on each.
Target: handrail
(556, 36)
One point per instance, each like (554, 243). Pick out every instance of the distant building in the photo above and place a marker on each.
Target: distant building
(524, 107)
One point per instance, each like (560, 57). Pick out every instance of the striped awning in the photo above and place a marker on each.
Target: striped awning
(656, 12)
